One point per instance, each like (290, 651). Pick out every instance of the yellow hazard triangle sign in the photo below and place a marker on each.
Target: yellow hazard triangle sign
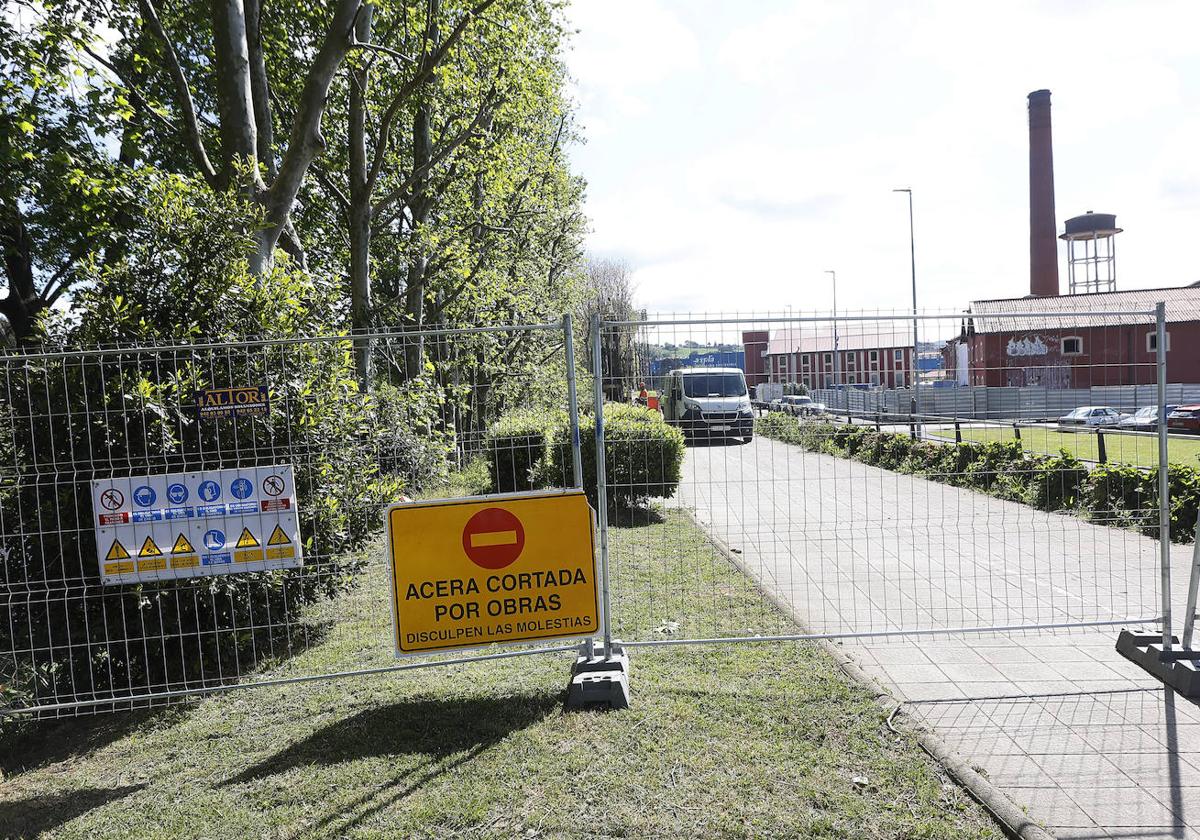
(247, 540)
(278, 537)
(117, 552)
(150, 548)
(182, 546)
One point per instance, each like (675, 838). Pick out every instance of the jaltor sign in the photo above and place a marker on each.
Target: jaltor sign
(478, 571)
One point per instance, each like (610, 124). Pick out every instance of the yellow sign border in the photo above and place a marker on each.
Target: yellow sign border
(399, 653)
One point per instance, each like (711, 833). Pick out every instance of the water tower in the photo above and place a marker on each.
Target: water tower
(1091, 252)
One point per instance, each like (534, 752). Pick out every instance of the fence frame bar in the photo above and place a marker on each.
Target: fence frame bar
(601, 477)
(1164, 501)
(805, 319)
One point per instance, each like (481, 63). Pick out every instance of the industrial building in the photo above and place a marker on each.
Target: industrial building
(864, 354)
(1062, 349)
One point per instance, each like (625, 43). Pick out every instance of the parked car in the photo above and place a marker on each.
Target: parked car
(802, 405)
(1092, 415)
(1185, 418)
(1145, 419)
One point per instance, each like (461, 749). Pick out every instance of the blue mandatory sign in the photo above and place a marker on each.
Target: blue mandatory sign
(214, 540)
(177, 493)
(144, 496)
(241, 488)
(209, 491)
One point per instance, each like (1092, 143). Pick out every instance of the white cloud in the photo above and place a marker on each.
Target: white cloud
(748, 147)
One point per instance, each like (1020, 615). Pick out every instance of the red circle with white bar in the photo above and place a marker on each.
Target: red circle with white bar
(493, 538)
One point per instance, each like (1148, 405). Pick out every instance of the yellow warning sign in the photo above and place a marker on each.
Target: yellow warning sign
(247, 540)
(182, 545)
(471, 572)
(279, 545)
(185, 561)
(152, 564)
(278, 537)
(150, 548)
(117, 552)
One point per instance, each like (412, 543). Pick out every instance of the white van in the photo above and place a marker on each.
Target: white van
(709, 402)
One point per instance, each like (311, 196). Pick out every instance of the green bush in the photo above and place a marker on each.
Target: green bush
(1122, 495)
(514, 448)
(643, 456)
(778, 426)
(992, 460)
(1055, 481)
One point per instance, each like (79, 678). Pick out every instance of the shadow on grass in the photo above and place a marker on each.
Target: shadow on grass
(637, 516)
(33, 744)
(429, 727)
(38, 814)
(27, 744)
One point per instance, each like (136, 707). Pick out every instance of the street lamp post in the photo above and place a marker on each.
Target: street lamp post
(912, 250)
(837, 365)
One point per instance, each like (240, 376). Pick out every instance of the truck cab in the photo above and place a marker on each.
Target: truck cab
(709, 402)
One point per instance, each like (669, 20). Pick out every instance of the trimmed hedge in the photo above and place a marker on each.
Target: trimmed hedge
(643, 456)
(514, 447)
(1111, 494)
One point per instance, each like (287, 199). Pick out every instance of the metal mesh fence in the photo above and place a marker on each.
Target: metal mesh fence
(70, 643)
(864, 520)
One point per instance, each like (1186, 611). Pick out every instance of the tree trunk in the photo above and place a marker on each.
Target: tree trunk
(359, 221)
(23, 304)
(235, 102)
(414, 297)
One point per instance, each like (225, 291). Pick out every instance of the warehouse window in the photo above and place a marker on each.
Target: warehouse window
(898, 355)
(1152, 342)
(1072, 345)
(874, 357)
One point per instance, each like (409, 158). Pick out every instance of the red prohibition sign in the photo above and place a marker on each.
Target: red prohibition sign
(493, 538)
(273, 485)
(112, 498)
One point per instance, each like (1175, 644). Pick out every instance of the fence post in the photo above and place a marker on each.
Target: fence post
(1016, 431)
(573, 402)
(1102, 452)
(957, 432)
(601, 480)
(1164, 501)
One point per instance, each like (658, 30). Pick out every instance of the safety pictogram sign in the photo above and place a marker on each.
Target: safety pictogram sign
(198, 523)
(496, 569)
(183, 554)
(279, 545)
(248, 548)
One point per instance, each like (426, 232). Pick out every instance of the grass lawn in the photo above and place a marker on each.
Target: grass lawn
(755, 741)
(1140, 450)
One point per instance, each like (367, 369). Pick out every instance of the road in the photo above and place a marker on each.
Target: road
(1088, 742)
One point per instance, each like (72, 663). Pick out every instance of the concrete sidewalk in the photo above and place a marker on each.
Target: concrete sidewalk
(1086, 741)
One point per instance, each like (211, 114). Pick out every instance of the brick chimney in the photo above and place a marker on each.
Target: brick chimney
(1043, 228)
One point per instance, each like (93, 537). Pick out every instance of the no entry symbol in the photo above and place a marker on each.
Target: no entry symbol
(493, 538)
(112, 499)
(273, 485)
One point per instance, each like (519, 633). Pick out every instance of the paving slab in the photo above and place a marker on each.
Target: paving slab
(1087, 742)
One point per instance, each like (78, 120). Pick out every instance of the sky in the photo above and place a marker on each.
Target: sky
(735, 151)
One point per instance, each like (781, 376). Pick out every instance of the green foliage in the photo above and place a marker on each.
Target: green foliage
(1112, 494)
(643, 455)
(132, 411)
(1055, 482)
(515, 446)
